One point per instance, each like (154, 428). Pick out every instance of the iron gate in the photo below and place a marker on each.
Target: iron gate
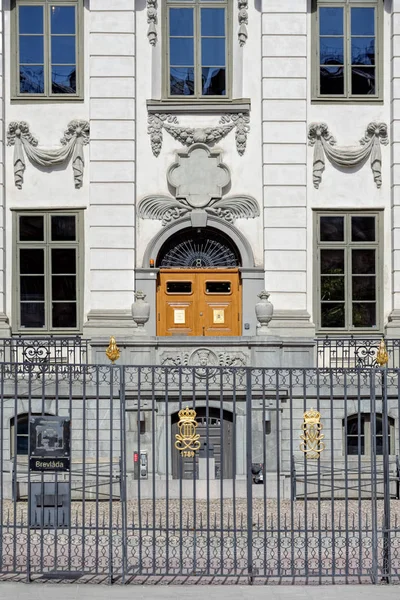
(306, 488)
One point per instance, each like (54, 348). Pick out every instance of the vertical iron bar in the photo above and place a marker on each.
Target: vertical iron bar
(319, 517)
(293, 497)
(2, 520)
(332, 441)
(346, 477)
(386, 481)
(208, 373)
(221, 470)
(97, 469)
(167, 422)
(249, 477)
(84, 417)
(122, 474)
(110, 486)
(234, 469)
(374, 520)
(153, 462)
(278, 469)
(139, 482)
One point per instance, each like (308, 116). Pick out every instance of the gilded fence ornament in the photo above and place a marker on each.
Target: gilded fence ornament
(187, 440)
(382, 355)
(112, 351)
(312, 444)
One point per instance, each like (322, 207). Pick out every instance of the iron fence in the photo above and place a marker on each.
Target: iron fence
(353, 352)
(44, 350)
(252, 503)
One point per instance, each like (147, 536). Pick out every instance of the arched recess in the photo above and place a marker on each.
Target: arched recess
(219, 433)
(236, 237)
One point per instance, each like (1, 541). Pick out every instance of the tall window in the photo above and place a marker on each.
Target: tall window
(358, 434)
(348, 273)
(48, 269)
(348, 49)
(197, 48)
(47, 49)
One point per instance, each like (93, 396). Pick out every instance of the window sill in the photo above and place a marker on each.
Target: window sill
(41, 99)
(336, 100)
(238, 105)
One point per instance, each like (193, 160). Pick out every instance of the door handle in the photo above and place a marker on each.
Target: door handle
(204, 331)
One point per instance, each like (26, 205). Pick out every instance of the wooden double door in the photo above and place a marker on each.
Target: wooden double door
(199, 302)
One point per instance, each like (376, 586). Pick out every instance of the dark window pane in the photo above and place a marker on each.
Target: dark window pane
(355, 445)
(364, 314)
(362, 229)
(63, 261)
(331, 81)
(31, 261)
(331, 51)
(213, 21)
(213, 82)
(32, 288)
(331, 229)
(31, 229)
(362, 81)
(63, 79)
(332, 261)
(182, 81)
(179, 287)
(31, 80)
(30, 19)
(353, 427)
(379, 445)
(218, 287)
(31, 49)
(63, 228)
(332, 288)
(62, 19)
(181, 51)
(362, 21)
(331, 21)
(363, 51)
(22, 444)
(64, 314)
(181, 21)
(63, 287)
(364, 288)
(63, 49)
(332, 314)
(32, 314)
(363, 262)
(22, 425)
(213, 52)
(379, 426)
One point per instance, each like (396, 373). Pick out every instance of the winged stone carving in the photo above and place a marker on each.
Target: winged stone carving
(235, 207)
(162, 208)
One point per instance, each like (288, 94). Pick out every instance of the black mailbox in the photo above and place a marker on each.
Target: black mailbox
(50, 505)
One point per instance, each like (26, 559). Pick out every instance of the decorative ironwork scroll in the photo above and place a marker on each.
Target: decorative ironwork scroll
(312, 444)
(187, 440)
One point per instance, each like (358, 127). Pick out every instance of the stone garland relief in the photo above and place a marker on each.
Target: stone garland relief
(152, 21)
(206, 358)
(243, 18)
(187, 136)
(198, 178)
(347, 156)
(75, 137)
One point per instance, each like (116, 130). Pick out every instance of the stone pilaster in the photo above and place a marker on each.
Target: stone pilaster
(111, 215)
(393, 327)
(284, 116)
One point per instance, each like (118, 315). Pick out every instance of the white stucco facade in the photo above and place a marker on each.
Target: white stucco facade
(272, 84)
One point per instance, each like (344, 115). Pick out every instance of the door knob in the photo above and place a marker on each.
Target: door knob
(201, 314)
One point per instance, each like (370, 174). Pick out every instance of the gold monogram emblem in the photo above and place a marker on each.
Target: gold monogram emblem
(312, 444)
(187, 440)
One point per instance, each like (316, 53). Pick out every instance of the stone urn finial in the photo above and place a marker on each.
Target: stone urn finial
(264, 312)
(140, 311)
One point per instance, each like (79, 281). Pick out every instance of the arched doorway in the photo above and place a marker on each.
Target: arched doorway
(219, 438)
(199, 288)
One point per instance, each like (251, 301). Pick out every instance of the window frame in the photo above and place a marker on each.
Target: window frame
(197, 5)
(79, 58)
(348, 244)
(78, 244)
(366, 419)
(316, 96)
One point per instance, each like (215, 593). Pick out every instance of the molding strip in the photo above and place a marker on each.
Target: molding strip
(243, 18)
(152, 20)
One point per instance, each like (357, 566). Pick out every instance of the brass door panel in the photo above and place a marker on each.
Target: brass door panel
(199, 302)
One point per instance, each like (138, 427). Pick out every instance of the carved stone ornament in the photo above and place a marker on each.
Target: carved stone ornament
(75, 137)
(152, 21)
(347, 156)
(204, 359)
(198, 178)
(243, 18)
(190, 135)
